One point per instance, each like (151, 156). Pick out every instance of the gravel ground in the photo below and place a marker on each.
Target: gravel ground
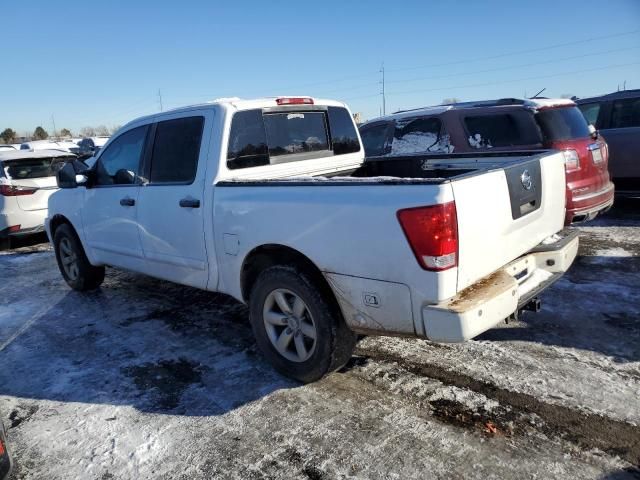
(147, 379)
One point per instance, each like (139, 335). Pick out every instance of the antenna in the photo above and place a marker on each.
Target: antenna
(536, 95)
(384, 99)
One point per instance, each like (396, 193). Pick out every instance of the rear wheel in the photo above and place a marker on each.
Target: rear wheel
(297, 328)
(72, 261)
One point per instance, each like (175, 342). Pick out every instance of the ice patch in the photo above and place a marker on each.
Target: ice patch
(613, 252)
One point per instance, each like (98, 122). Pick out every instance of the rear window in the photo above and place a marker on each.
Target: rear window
(296, 132)
(564, 123)
(500, 130)
(34, 168)
(258, 138)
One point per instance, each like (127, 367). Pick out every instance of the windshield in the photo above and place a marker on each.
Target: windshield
(34, 167)
(565, 123)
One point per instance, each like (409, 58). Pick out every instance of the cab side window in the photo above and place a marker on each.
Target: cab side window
(119, 164)
(176, 149)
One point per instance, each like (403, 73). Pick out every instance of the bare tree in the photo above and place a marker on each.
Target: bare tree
(114, 129)
(87, 132)
(102, 130)
(448, 101)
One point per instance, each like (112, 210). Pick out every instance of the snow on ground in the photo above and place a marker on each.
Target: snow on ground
(147, 379)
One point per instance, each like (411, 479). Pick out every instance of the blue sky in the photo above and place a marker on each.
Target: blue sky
(103, 63)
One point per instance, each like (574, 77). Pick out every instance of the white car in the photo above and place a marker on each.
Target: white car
(27, 179)
(36, 145)
(7, 148)
(271, 201)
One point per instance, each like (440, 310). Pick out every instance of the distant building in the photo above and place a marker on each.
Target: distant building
(357, 117)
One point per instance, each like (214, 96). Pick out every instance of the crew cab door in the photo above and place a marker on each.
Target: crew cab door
(110, 205)
(171, 201)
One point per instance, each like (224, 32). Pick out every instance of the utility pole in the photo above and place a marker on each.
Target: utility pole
(384, 98)
(160, 99)
(53, 119)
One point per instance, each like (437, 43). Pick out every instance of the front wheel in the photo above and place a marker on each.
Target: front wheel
(73, 262)
(298, 329)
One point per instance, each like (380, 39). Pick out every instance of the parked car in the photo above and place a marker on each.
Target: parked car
(499, 125)
(271, 201)
(46, 145)
(617, 118)
(89, 146)
(5, 458)
(27, 179)
(7, 148)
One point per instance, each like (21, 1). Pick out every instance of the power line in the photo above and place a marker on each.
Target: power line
(515, 80)
(522, 65)
(518, 52)
(470, 60)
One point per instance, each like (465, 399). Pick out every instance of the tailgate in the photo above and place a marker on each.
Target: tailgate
(39, 199)
(503, 214)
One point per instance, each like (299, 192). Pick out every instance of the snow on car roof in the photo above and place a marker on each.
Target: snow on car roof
(435, 110)
(26, 154)
(549, 102)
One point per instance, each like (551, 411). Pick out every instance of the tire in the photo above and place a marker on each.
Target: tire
(78, 272)
(334, 341)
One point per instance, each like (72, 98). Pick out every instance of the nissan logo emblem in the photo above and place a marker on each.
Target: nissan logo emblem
(526, 181)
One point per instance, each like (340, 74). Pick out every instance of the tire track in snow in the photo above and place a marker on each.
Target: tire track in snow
(587, 430)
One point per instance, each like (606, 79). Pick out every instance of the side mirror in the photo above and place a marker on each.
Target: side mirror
(593, 132)
(72, 175)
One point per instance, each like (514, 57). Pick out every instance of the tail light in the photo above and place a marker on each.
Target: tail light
(294, 101)
(432, 233)
(16, 190)
(571, 159)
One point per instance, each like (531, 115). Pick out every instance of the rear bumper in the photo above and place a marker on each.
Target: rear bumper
(491, 300)
(586, 207)
(29, 222)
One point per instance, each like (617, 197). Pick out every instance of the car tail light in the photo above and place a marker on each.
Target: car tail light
(571, 159)
(432, 233)
(294, 101)
(16, 190)
(14, 228)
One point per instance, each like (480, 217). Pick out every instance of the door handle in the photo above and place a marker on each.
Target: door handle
(127, 202)
(189, 203)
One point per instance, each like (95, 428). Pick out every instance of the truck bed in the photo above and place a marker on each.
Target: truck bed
(409, 169)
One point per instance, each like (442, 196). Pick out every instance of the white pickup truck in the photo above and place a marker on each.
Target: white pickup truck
(272, 202)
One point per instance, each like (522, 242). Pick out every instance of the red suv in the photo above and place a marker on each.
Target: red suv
(506, 124)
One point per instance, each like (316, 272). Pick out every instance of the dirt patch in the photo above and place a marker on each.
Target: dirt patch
(309, 469)
(21, 414)
(584, 429)
(496, 423)
(165, 380)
